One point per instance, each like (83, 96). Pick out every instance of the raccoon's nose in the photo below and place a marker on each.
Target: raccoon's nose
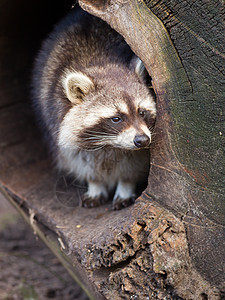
(141, 140)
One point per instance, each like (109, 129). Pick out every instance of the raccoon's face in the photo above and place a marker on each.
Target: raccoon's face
(107, 115)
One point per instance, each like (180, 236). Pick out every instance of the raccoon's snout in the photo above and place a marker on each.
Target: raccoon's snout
(141, 141)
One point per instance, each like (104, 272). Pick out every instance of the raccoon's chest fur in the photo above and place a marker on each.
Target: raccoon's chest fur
(109, 165)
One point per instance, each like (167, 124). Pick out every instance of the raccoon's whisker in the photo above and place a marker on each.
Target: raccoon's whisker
(94, 134)
(91, 138)
(98, 138)
(90, 132)
(91, 149)
(114, 129)
(94, 149)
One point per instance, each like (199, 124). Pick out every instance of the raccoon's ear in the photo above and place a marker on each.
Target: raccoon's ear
(77, 85)
(139, 68)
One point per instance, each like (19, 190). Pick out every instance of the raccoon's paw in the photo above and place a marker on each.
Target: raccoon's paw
(89, 202)
(119, 203)
(124, 195)
(95, 196)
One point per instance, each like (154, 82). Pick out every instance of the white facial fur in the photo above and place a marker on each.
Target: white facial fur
(147, 104)
(125, 139)
(82, 116)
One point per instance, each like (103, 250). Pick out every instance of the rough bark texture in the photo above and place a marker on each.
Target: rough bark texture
(187, 172)
(168, 245)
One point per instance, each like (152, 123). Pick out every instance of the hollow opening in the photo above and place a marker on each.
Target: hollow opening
(23, 156)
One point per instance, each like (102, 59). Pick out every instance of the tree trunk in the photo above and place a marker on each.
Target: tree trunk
(169, 244)
(187, 168)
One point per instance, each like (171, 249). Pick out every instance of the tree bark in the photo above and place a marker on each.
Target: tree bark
(187, 168)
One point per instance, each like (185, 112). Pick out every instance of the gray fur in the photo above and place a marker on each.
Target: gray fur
(84, 75)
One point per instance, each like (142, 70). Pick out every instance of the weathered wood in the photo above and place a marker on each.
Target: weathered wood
(141, 251)
(187, 170)
(134, 252)
(51, 241)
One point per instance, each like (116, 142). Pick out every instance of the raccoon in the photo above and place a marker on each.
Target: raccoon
(97, 113)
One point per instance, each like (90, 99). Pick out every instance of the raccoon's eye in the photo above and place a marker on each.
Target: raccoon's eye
(116, 120)
(141, 113)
